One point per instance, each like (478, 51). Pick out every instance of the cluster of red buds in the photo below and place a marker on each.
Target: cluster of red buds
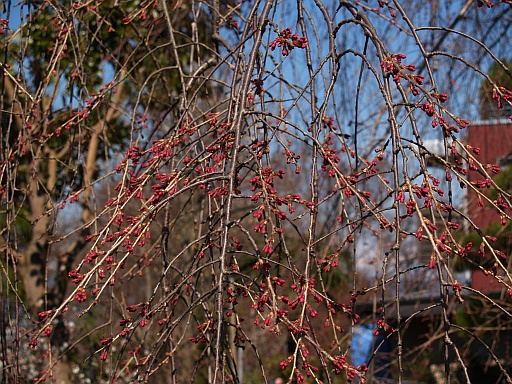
(4, 24)
(288, 41)
(392, 65)
(500, 94)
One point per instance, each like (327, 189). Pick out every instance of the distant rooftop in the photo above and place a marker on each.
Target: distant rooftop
(502, 120)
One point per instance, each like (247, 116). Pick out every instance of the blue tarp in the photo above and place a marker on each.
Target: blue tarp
(361, 344)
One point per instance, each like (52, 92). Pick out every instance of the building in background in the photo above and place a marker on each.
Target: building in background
(494, 139)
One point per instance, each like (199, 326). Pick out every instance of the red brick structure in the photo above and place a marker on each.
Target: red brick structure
(494, 138)
(485, 283)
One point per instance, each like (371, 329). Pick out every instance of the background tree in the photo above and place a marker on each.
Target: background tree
(487, 104)
(211, 176)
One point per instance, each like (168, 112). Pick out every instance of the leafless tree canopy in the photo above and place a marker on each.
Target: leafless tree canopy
(225, 190)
